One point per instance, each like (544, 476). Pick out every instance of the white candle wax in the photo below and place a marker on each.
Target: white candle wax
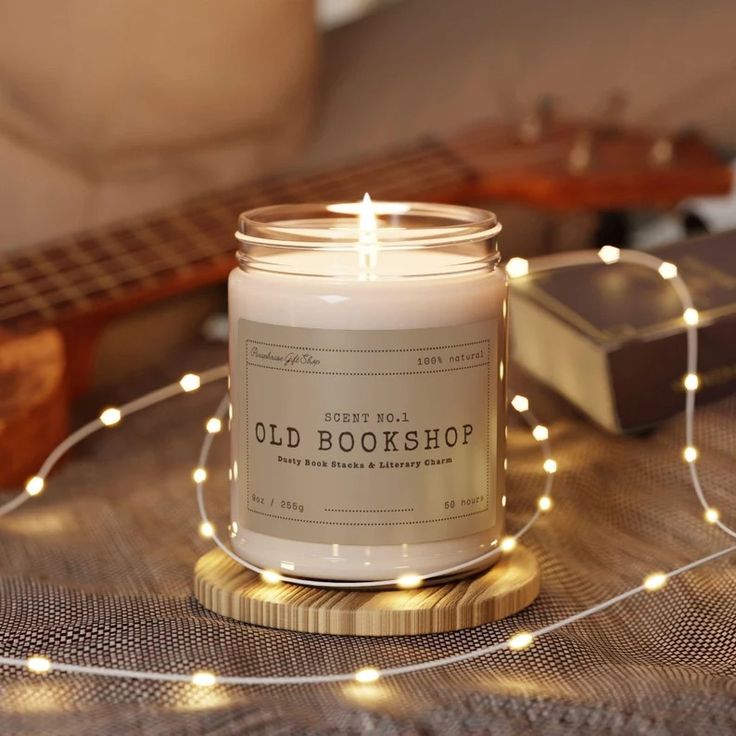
(384, 304)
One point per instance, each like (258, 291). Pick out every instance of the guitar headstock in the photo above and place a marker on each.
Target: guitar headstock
(560, 165)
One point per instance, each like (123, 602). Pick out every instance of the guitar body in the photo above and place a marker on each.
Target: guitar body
(34, 405)
(56, 298)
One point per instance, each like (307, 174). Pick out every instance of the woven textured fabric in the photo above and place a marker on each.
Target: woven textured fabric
(98, 570)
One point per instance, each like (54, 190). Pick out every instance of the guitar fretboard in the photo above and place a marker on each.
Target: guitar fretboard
(192, 244)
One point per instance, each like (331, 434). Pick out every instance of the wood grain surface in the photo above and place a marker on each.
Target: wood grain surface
(227, 588)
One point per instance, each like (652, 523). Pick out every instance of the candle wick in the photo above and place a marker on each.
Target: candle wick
(367, 239)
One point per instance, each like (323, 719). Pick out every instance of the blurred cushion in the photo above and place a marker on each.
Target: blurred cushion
(110, 109)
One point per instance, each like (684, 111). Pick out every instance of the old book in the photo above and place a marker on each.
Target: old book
(611, 339)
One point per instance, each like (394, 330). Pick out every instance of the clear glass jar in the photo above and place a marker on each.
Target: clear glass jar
(367, 358)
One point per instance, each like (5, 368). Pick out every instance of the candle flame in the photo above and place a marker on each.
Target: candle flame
(367, 211)
(367, 220)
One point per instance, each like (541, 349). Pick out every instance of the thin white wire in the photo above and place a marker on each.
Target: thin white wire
(565, 260)
(578, 258)
(136, 405)
(532, 421)
(387, 672)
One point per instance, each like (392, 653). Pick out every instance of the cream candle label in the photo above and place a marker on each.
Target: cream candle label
(367, 437)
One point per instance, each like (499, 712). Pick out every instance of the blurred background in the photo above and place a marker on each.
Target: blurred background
(113, 109)
(132, 133)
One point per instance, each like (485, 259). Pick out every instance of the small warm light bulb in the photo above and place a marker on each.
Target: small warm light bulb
(691, 382)
(34, 485)
(667, 270)
(367, 674)
(520, 403)
(409, 581)
(712, 515)
(110, 416)
(508, 544)
(204, 679)
(517, 267)
(540, 433)
(550, 465)
(38, 664)
(544, 503)
(214, 425)
(199, 475)
(190, 382)
(609, 254)
(655, 581)
(691, 316)
(690, 454)
(270, 576)
(521, 640)
(206, 530)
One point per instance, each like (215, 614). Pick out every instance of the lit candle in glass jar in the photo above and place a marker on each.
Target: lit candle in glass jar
(367, 355)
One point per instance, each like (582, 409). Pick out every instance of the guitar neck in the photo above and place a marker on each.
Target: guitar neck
(191, 245)
(116, 268)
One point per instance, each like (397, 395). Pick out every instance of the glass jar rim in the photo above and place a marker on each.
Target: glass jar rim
(403, 226)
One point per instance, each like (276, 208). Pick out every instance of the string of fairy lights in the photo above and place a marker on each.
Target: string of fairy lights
(516, 268)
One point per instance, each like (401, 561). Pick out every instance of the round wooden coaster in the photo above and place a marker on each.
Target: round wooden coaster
(227, 588)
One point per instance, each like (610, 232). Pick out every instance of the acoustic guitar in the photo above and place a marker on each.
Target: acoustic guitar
(56, 297)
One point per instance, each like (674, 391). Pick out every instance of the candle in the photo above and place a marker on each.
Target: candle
(367, 355)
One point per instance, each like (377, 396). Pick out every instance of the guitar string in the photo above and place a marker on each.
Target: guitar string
(265, 191)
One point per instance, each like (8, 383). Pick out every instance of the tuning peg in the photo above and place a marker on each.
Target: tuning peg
(662, 152)
(547, 108)
(537, 122)
(614, 110)
(530, 128)
(581, 153)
